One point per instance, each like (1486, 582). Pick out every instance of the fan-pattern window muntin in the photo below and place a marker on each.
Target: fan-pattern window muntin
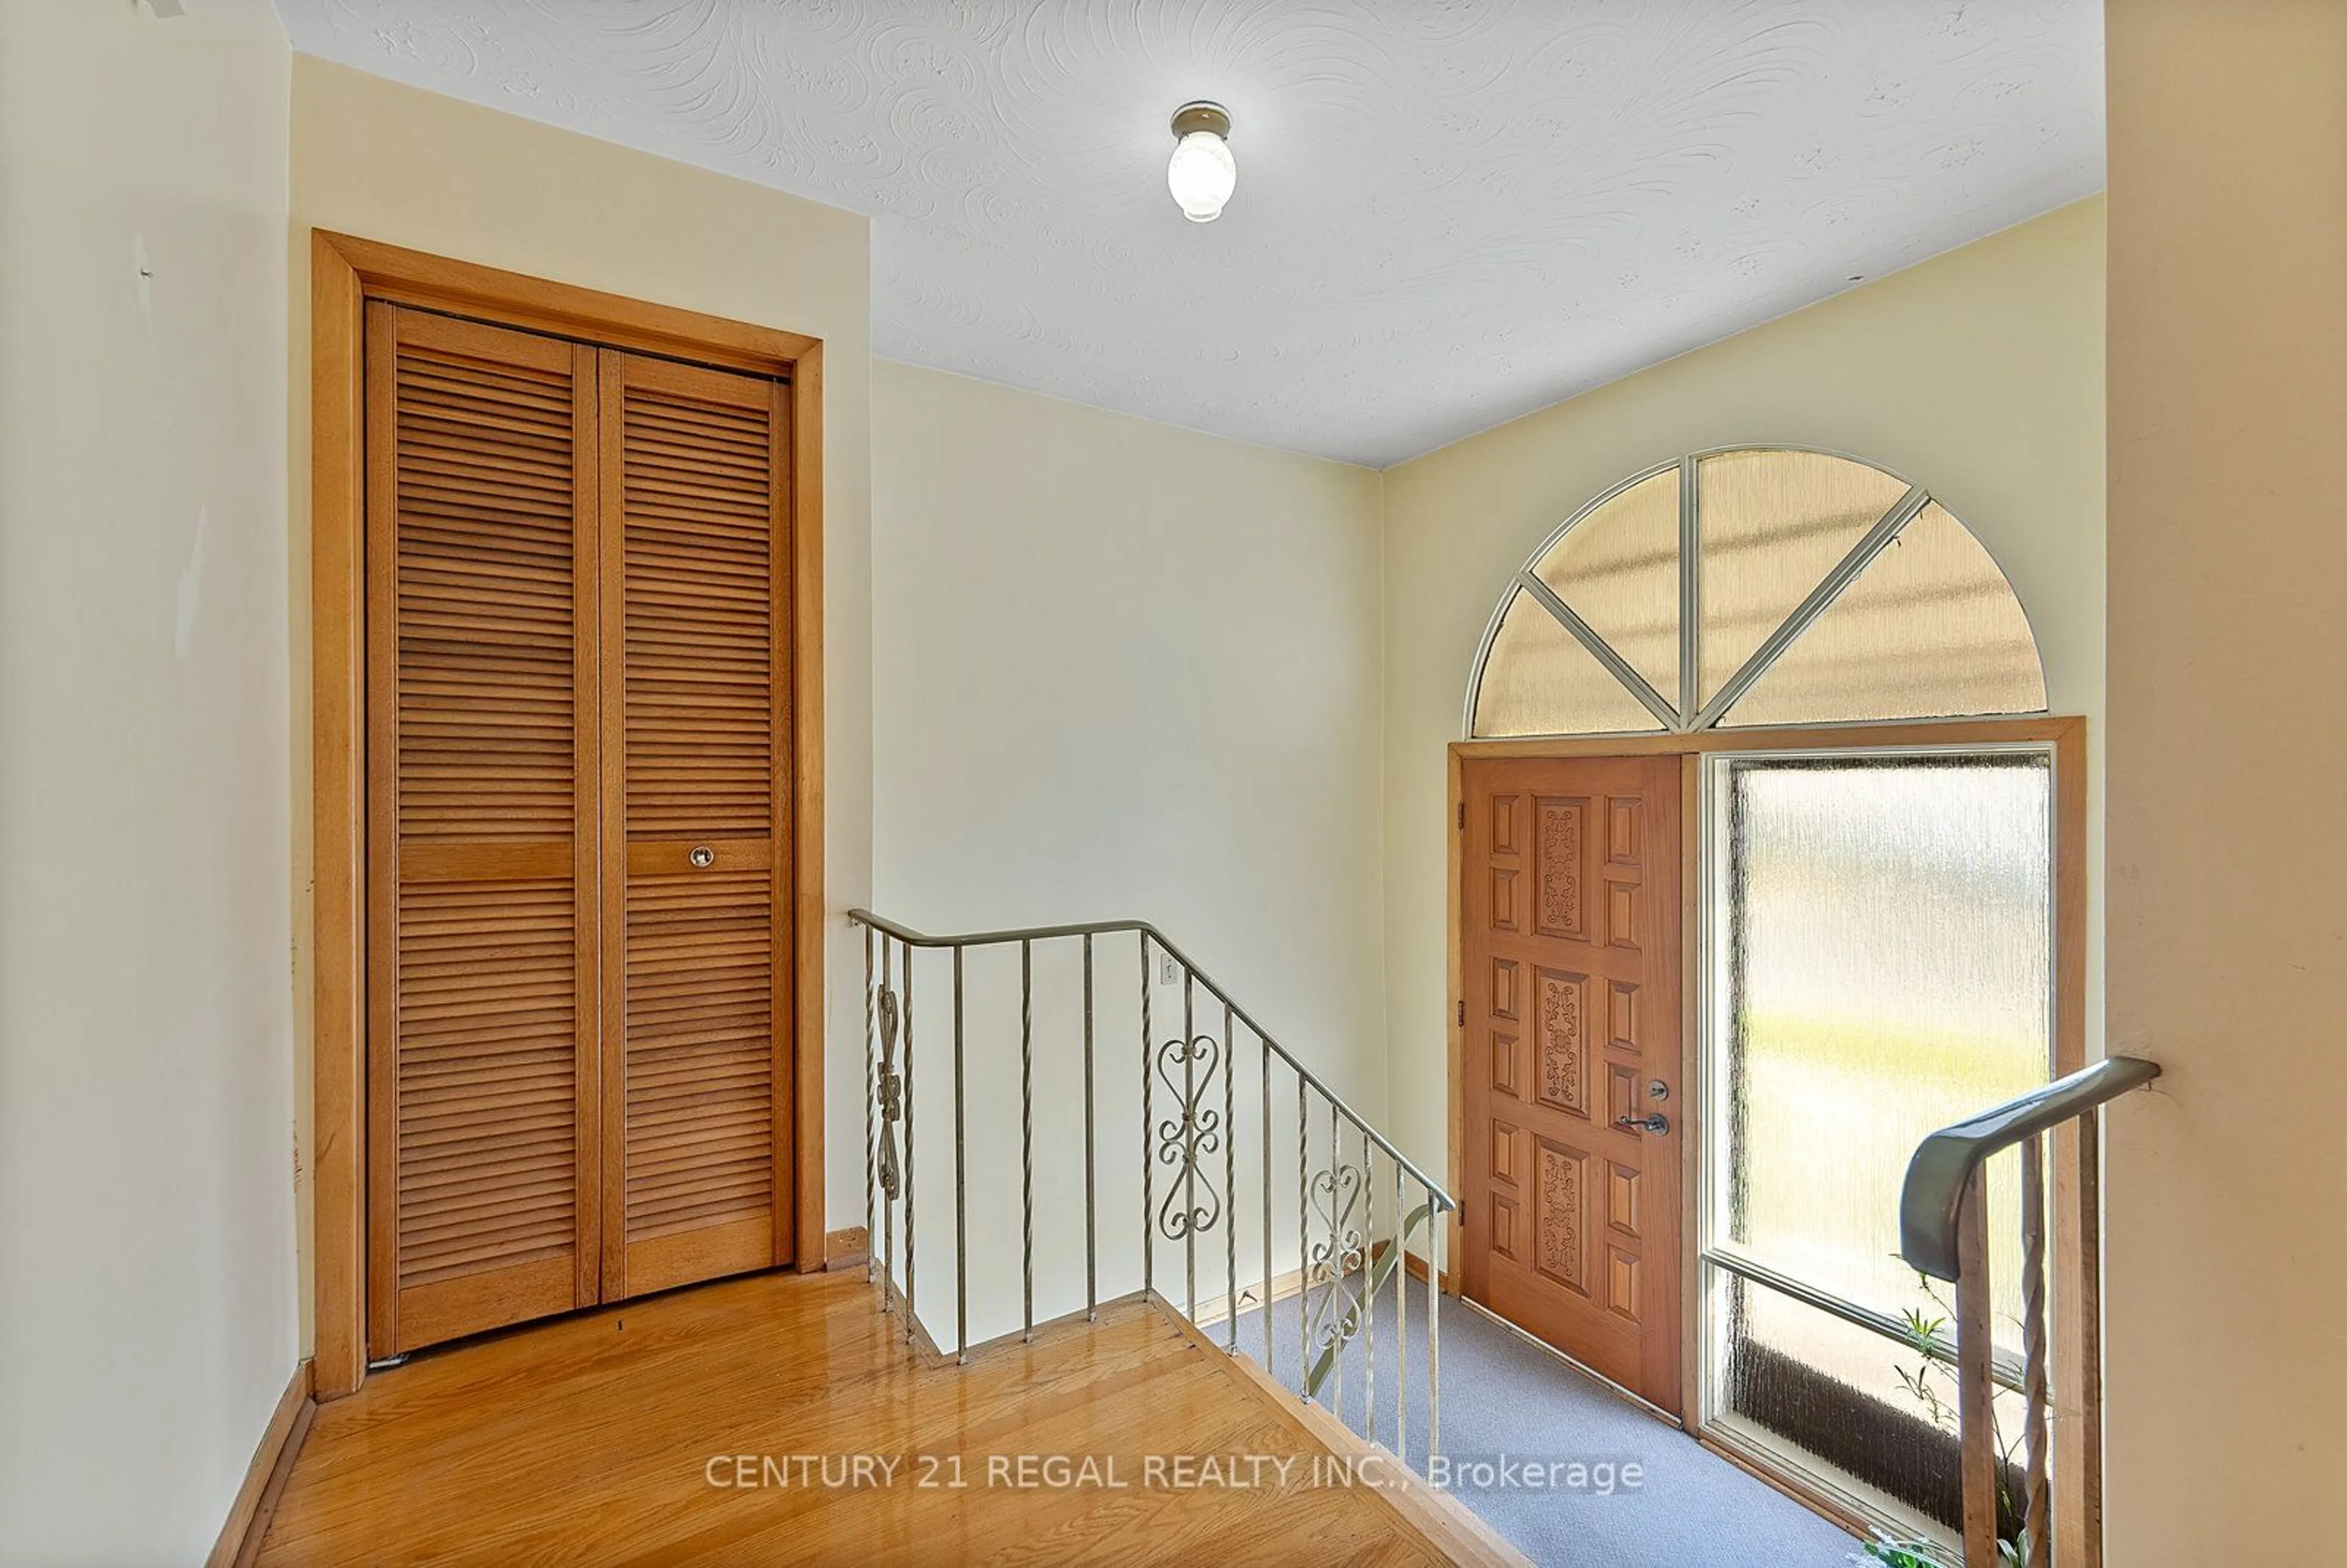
(1753, 585)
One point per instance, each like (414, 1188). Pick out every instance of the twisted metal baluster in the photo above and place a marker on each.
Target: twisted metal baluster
(888, 1170)
(1369, 1294)
(1303, 1241)
(2037, 1510)
(961, 1185)
(912, 1310)
(1148, 1115)
(1262, 1055)
(2085, 1211)
(871, 1115)
(1230, 1183)
(1027, 1132)
(1091, 1247)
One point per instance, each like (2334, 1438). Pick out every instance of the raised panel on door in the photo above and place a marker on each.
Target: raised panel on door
(483, 1152)
(1570, 956)
(697, 1180)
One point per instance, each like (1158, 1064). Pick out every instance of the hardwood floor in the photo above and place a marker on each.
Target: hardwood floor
(613, 1437)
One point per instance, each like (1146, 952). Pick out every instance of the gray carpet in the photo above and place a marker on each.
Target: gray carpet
(1503, 1396)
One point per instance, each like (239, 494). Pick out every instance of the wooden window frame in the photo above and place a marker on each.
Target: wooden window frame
(2074, 1249)
(346, 272)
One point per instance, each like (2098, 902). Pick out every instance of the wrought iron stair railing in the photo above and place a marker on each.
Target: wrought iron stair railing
(1188, 1115)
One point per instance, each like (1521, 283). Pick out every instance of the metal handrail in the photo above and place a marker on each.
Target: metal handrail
(1945, 1163)
(1943, 1232)
(1442, 1200)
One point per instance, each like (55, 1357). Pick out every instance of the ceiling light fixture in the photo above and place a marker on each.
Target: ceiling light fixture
(1201, 174)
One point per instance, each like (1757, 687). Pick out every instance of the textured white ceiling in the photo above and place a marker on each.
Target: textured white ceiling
(1450, 211)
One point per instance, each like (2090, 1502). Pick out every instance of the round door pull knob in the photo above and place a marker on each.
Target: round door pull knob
(702, 855)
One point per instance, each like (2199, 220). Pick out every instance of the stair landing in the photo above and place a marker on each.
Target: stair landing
(780, 1418)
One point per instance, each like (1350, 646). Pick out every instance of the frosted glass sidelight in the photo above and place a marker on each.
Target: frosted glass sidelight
(1541, 681)
(1618, 569)
(1883, 966)
(1773, 524)
(1886, 969)
(1930, 627)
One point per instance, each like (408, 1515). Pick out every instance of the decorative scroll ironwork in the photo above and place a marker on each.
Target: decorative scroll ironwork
(1331, 1267)
(1335, 1257)
(891, 1092)
(1183, 1141)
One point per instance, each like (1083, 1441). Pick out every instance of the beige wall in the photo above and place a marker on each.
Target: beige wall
(388, 162)
(1119, 669)
(1122, 670)
(1126, 670)
(147, 1293)
(2227, 943)
(1978, 374)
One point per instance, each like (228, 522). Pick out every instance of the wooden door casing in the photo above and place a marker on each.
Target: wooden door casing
(347, 273)
(1570, 965)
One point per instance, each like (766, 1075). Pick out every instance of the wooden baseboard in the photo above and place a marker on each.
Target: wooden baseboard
(1215, 1309)
(1417, 1266)
(846, 1250)
(264, 1479)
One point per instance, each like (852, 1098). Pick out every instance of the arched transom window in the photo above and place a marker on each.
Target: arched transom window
(1748, 587)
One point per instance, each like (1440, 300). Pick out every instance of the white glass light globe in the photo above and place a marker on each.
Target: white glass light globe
(1201, 175)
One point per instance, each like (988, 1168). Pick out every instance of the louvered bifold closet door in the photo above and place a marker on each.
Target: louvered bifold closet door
(482, 1145)
(697, 712)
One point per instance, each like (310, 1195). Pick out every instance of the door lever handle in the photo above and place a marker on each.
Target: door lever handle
(1657, 1123)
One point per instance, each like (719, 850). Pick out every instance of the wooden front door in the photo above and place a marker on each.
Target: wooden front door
(578, 807)
(1570, 963)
